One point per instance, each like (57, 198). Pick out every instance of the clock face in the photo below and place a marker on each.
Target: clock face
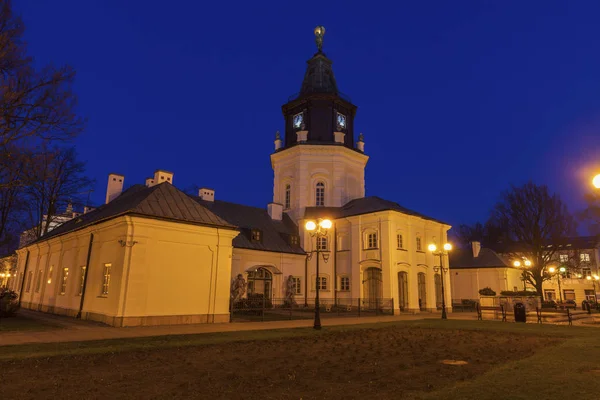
(297, 121)
(341, 121)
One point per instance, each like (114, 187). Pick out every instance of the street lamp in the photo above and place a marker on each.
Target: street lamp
(560, 271)
(526, 263)
(318, 229)
(596, 181)
(434, 250)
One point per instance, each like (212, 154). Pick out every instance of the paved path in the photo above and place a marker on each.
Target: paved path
(71, 330)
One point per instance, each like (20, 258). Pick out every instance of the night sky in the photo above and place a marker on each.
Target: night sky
(457, 100)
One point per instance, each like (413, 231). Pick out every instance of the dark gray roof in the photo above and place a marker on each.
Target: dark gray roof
(319, 76)
(364, 205)
(275, 234)
(487, 258)
(163, 201)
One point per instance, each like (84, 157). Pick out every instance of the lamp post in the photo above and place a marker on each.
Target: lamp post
(434, 250)
(526, 263)
(318, 229)
(560, 271)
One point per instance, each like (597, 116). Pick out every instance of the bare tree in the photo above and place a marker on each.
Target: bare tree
(489, 234)
(33, 104)
(591, 215)
(12, 167)
(55, 182)
(538, 226)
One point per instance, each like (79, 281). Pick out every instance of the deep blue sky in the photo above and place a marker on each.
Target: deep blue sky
(456, 100)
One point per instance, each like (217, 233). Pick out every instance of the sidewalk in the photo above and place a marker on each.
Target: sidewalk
(70, 330)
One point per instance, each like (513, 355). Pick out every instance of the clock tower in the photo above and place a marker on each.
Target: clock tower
(317, 163)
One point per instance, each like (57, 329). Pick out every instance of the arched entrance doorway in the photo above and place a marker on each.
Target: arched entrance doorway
(438, 291)
(422, 291)
(372, 286)
(403, 290)
(260, 281)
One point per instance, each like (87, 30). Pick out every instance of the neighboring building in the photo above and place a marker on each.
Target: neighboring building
(481, 267)
(8, 269)
(476, 268)
(161, 256)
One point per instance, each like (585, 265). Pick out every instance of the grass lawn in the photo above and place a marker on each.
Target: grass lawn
(392, 360)
(20, 323)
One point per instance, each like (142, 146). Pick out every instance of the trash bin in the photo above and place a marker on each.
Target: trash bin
(520, 313)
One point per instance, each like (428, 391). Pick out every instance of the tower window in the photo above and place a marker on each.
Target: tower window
(322, 244)
(419, 248)
(320, 194)
(399, 241)
(288, 196)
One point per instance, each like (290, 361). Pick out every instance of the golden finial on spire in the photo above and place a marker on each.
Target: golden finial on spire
(319, 33)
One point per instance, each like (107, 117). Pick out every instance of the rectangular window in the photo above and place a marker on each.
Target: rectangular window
(29, 279)
(322, 243)
(372, 240)
(399, 241)
(586, 272)
(550, 295)
(569, 294)
(81, 280)
(563, 258)
(38, 282)
(288, 197)
(320, 194)
(50, 275)
(322, 282)
(63, 280)
(584, 257)
(294, 240)
(20, 279)
(106, 279)
(345, 283)
(297, 285)
(590, 295)
(418, 243)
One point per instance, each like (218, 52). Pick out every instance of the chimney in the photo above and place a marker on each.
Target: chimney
(476, 248)
(114, 187)
(160, 176)
(206, 194)
(275, 211)
(149, 182)
(87, 209)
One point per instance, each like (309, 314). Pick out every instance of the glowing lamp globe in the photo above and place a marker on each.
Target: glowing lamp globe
(310, 226)
(432, 247)
(596, 277)
(589, 278)
(562, 269)
(596, 181)
(517, 263)
(551, 270)
(326, 224)
(527, 263)
(447, 247)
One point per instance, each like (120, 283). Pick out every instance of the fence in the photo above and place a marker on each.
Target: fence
(467, 305)
(264, 309)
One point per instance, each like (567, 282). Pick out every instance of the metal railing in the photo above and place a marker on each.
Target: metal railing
(264, 309)
(466, 305)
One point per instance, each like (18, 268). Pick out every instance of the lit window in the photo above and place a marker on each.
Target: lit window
(418, 243)
(322, 243)
(50, 275)
(586, 272)
(320, 194)
(399, 241)
(297, 285)
(106, 279)
(288, 196)
(256, 235)
(372, 240)
(584, 257)
(29, 278)
(345, 283)
(569, 294)
(38, 282)
(322, 283)
(81, 280)
(563, 258)
(63, 281)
